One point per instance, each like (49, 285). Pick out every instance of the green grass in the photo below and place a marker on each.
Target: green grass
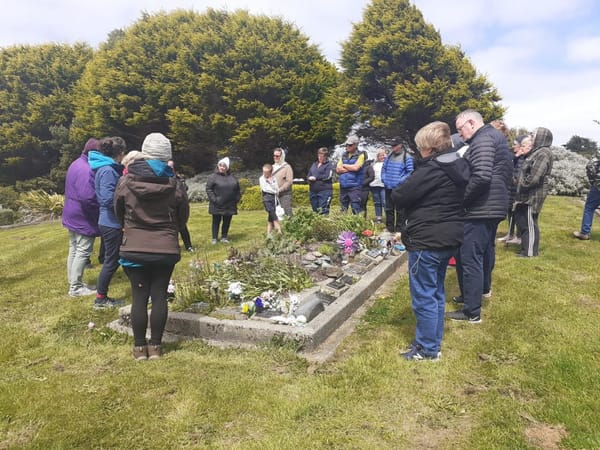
(534, 362)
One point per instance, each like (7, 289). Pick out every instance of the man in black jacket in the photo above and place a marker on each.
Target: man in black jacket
(485, 203)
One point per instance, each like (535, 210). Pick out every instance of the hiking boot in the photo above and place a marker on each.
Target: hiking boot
(140, 352)
(458, 300)
(416, 354)
(107, 302)
(461, 316)
(154, 351)
(81, 291)
(581, 236)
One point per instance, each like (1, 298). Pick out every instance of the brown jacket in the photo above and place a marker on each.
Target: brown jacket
(152, 209)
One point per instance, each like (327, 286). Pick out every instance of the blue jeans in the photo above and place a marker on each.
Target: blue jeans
(378, 194)
(427, 273)
(320, 201)
(112, 241)
(475, 262)
(591, 203)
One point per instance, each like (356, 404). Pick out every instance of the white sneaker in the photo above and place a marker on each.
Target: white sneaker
(82, 291)
(504, 238)
(487, 294)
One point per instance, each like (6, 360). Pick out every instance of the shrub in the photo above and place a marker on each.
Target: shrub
(307, 226)
(42, 205)
(9, 197)
(7, 217)
(568, 173)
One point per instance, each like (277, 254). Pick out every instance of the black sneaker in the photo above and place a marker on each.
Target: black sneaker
(107, 302)
(458, 300)
(461, 316)
(415, 354)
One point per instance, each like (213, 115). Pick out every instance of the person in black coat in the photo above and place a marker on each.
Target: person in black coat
(223, 190)
(485, 203)
(431, 199)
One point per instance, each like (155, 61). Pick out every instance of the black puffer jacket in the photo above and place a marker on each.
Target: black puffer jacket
(432, 201)
(223, 190)
(490, 161)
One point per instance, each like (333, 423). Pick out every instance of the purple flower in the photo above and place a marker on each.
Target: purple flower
(348, 242)
(258, 303)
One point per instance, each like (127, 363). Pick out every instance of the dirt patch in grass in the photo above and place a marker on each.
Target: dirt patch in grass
(544, 436)
(588, 302)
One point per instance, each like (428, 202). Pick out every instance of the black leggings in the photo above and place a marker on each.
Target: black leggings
(149, 281)
(216, 222)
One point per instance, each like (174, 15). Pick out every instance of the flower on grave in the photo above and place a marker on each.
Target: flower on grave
(235, 290)
(269, 299)
(171, 287)
(248, 308)
(258, 304)
(348, 242)
(367, 233)
(196, 264)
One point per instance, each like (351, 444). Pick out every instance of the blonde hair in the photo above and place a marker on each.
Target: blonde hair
(434, 136)
(132, 156)
(381, 151)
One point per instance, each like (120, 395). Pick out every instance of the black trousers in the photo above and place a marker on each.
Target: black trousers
(149, 281)
(527, 228)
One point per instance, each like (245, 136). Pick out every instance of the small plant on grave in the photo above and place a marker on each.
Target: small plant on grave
(281, 244)
(301, 225)
(327, 249)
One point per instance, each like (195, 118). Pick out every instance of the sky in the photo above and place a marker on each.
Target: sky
(543, 56)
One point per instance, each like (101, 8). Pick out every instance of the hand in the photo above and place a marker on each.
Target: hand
(311, 178)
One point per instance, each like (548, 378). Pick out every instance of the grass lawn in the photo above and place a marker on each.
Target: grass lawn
(526, 377)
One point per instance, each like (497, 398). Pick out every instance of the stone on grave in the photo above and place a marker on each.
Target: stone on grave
(310, 308)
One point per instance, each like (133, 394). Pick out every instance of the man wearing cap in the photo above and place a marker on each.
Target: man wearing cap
(397, 167)
(351, 171)
(80, 217)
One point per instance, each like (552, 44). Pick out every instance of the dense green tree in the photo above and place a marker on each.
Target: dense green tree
(402, 75)
(214, 83)
(35, 96)
(581, 145)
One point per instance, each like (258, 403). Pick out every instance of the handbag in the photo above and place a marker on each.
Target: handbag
(279, 211)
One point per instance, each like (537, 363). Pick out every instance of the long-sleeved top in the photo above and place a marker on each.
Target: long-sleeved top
(323, 177)
(106, 176)
(80, 212)
(396, 168)
(223, 190)
(268, 186)
(152, 207)
(376, 168)
(432, 201)
(284, 174)
(532, 184)
(490, 160)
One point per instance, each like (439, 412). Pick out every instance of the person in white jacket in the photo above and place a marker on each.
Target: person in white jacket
(270, 191)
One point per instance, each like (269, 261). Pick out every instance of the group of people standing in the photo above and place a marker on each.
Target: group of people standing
(453, 202)
(139, 211)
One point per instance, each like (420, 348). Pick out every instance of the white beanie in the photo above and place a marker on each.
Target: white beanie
(157, 146)
(224, 161)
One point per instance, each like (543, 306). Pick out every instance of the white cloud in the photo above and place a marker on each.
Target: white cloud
(584, 50)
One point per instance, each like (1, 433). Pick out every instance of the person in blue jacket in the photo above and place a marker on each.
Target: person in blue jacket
(352, 173)
(395, 170)
(106, 164)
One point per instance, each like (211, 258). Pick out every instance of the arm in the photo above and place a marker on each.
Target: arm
(410, 193)
(106, 182)
(481, 160)
(210, 189)
(540, 167)
(288, 178)
(357, 165)
(119, 202)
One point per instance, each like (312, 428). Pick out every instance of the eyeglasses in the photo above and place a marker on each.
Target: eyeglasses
(459, 129)
(276, 156)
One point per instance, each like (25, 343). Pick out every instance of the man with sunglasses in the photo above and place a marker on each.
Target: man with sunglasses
(485, 205)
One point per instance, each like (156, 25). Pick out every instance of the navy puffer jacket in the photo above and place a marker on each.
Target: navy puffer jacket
(490, 161)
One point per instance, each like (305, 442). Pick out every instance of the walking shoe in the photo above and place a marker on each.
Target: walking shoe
(107, 302)
(458, 300)
(214, 241)
(487, 294)
(225, 240)
(154, 352)
(461, 316)
(140, 352)
(505, 238)
(415, 354)
(514, 240)
(581, 236)
(190, 249)
(81, 291)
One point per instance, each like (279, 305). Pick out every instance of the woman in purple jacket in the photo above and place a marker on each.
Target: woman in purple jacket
(80, 217)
